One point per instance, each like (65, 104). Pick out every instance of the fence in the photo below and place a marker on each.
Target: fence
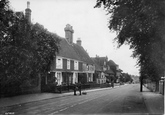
(155, 86)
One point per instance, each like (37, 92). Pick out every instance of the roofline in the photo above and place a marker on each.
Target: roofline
(74, 59)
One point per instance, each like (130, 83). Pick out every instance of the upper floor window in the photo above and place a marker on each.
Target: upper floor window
(84, 67)
(58, 63)
(75, 65)
(87, 67)
(91, 68)
(68, 64)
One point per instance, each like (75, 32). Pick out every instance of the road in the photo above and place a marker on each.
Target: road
(125, 99)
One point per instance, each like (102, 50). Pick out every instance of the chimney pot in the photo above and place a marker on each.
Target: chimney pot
(69, 33)
(28, 4)
(79, 41)
(28, 12)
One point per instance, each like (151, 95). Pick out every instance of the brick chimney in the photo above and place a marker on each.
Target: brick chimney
(69, 33)
(79, 41)
(28, 12)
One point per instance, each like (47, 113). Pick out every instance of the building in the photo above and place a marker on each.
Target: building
(102, 71)
(99, 76)
(72, 64)
(115, 68)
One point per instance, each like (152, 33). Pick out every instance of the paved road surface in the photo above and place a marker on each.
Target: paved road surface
(125, 99)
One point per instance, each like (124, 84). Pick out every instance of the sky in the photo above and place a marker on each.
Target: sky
(89, 24)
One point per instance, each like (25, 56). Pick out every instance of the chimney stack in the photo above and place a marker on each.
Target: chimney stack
(28, 12)
(69, 33)
(79, 41)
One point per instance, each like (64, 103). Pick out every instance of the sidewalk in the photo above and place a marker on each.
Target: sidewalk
(37, 97)
(154, 101)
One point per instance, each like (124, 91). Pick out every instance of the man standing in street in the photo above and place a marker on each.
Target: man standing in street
(79, 87)
(74, 88)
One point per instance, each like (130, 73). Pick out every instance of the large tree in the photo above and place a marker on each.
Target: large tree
(26, 49)
(141, 24)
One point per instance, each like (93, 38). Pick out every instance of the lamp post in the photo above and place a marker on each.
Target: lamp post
(163, 78)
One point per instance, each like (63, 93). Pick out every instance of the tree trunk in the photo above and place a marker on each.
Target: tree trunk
(39, 82)
(141, 84)
(157, 86)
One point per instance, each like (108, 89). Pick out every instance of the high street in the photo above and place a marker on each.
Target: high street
(124, 99)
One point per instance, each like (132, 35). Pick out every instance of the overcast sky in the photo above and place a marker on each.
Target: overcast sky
(89, 24)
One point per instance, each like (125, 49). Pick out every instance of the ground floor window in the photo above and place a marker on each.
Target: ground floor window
(90, 77)
(58, 78)
(67, 78)
(75, 78)
(82, 77)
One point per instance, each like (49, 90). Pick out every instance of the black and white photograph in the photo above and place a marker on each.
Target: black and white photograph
(82, 57)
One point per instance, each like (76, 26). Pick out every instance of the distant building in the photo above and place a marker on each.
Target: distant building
(102, 70)
(115, 68)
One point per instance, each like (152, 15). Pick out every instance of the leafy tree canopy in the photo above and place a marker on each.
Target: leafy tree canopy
(25, 49)
(140, 23)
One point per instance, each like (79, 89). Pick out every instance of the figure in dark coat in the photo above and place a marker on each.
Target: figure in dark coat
(79, 87)
(74, 88)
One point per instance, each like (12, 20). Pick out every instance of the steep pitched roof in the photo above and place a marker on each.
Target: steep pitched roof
(101, 60)
(97, 66)
(82, 54)
(111, 62)
(67, 50)
(73, 51)
(109, 71)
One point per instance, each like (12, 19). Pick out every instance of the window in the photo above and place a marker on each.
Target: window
(89, 77)
(58, 63)
(75, 65)
(87, 67)
(91, 68)
(68, 64)
(58, 78)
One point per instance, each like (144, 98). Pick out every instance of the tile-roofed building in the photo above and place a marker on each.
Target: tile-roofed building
(97, 66)
(72, 63)
(101, 60)
(115, 68)
(109, 71)
(111, 62)
(101, 67)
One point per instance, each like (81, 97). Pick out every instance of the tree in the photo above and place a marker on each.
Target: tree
(140, 23)
(26, 50)
(126, 77)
